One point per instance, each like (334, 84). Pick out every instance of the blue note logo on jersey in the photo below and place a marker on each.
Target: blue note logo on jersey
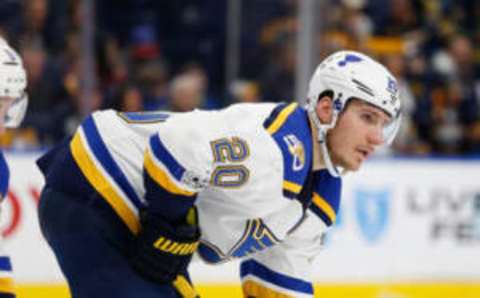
(295, 147)
(372, 212)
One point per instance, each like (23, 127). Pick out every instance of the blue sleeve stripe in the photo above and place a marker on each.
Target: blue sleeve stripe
(4, 176)
(157, 172)
(101, 152)
(5, 264)
(252, 267)
(163, 155)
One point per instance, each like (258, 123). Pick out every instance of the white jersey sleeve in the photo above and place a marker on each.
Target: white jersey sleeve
(177, 165)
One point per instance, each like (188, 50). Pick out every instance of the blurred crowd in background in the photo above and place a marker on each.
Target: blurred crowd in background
(171, 55)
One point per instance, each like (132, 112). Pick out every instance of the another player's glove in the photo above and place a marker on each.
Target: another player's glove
(164, 250)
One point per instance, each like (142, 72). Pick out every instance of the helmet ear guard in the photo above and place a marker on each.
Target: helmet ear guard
(13, 81)
(312, 111)
(346, 75)
(16, 112)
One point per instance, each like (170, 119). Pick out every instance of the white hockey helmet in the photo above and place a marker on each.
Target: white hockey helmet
(13, 81)
(346, 75)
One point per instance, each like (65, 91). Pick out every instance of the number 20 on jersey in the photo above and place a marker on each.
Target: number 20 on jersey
(230, 153)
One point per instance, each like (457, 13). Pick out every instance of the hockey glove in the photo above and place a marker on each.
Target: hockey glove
(163, 250)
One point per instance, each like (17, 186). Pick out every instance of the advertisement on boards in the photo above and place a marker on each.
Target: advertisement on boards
(406, 220)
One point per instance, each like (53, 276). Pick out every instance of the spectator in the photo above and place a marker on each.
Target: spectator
(245, 91)
(128, 99)
(186, 93)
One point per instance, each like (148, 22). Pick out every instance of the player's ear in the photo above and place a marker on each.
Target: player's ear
(325, 109)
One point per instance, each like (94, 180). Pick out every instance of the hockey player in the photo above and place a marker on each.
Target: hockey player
(131, 196)
(13, 104)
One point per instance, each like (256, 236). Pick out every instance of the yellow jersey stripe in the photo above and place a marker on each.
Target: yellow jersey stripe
(292, 187)
(281, 118)
(162, 178)
(253, 289)
(101, 184)
(7, 285)
(324, 206)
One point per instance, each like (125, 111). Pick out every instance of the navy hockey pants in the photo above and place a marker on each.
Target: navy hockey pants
(88, 251)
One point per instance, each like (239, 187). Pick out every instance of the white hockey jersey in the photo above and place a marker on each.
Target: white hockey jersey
(244, 167)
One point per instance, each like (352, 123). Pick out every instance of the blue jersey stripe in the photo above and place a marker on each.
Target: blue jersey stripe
(254, 268)
(163, 155)
(99, 149)
(319, 212)
(4, 176)
(5, 264)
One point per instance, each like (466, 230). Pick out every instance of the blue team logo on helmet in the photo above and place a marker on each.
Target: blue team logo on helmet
(392, 86)
(349, 58)
(337, 103)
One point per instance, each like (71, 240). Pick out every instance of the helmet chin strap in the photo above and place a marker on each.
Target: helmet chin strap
(332, 169)
(322, 139)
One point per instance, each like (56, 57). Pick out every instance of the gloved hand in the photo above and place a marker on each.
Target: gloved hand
(164, 250)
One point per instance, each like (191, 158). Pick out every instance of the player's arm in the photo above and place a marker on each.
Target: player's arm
(169, 234)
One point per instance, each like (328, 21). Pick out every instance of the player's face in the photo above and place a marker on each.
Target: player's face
(5, 103)
(357, 134)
